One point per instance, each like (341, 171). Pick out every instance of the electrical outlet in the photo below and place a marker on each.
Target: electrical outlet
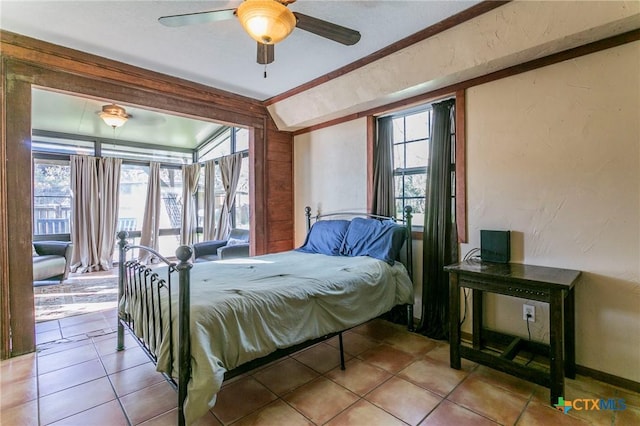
(529, 313)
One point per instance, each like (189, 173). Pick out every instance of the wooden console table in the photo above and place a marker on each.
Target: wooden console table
(551, 285)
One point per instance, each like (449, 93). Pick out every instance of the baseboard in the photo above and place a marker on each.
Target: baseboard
(608, 378)
(590, 372)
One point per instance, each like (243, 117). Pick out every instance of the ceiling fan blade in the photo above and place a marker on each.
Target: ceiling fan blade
(326, 29)
(266, 53)
(197, 18)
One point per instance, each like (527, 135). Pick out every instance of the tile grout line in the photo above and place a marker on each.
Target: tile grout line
(124, 412)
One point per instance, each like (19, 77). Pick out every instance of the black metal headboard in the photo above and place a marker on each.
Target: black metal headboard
(408, 263)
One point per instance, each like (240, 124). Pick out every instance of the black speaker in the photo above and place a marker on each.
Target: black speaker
(495, 246)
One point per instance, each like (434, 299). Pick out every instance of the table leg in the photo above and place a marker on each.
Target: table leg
(477, 319)
(454, 322)
(570, 335)
(556, 363)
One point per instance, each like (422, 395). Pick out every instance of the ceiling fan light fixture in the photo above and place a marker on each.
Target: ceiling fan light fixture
(114, 115)
(266, 21)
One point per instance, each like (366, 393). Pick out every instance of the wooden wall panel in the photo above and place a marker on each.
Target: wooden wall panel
(279, 189)
(18, 216)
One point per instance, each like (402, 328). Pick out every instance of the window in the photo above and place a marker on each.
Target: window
(230, 141)
(411, 139)
(411, 135)
(134, 179)
(170, 210)
(51, 196)
(241, 204)
(52, 187)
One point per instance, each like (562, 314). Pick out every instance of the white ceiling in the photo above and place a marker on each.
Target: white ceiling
(221, 54)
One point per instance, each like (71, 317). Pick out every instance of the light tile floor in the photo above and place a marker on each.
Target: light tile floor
(393, 377)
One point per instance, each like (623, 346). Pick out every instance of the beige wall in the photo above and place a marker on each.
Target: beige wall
(330, 172)
(554, 156)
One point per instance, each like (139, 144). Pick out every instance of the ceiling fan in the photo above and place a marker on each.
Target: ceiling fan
(268, 22)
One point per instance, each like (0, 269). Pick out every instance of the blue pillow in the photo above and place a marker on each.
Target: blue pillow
(371, 237)
(325, 237)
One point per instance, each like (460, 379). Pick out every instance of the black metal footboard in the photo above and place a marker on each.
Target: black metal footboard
(145, 307)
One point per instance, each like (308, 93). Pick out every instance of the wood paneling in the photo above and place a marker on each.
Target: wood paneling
(278, 246)
(18, 216)
(4, 227)
(279, 189)
(54, 57)
(27, 62)
(280, 231)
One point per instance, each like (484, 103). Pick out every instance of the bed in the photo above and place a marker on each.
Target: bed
(206, 322)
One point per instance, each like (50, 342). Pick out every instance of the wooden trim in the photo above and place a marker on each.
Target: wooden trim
(61, 58)
(18, 216)
(608, 378)
(371, 142)
(331, 123)
(165, 101)
(417, 235)
(461, 166)
(5, 342)
(450, 22)
(565, 55)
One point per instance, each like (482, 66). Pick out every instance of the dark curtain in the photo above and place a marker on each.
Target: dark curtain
(383, 202)
(440, 240)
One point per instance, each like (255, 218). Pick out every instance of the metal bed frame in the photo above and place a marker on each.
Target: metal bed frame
(141, 287)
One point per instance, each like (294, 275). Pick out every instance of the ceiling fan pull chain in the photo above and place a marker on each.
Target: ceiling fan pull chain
(265, 70)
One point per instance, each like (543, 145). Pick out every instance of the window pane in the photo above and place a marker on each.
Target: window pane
(200, 199)
(51, 197)
(398, 130)
(241, 204)
(217, 148)
(145, 154)
(65, 146)
(242, 139)
(415, 185)
(417, 154)
(399, 208)
(418, 211)
(399, 182)
(134, 180)
(417, 126)
(171, 193)
(398, 156)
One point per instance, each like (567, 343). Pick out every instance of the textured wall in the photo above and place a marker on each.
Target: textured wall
(554, 155)
(330, 172)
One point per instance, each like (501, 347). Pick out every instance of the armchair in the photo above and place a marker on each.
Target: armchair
(237, 245)
(51, 260)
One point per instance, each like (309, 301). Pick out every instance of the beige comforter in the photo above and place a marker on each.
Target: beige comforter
(243, 309)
